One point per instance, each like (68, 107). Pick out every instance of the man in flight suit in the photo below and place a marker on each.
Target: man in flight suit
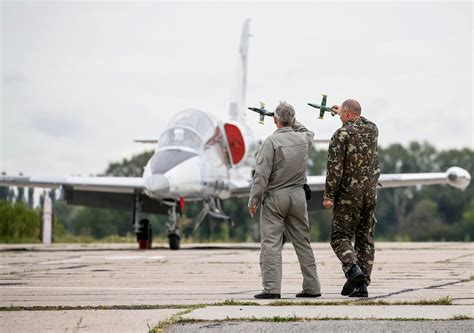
(278, 187)
(351, 183)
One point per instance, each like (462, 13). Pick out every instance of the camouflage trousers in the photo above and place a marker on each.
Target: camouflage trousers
(354, 217)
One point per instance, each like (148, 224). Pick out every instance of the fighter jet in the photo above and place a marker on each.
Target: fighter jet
(198, 158)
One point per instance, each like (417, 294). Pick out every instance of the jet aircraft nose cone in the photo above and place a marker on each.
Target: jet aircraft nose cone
(158, 184)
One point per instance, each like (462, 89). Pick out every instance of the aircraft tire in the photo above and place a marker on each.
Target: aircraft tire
(144, 236)
(174, 241)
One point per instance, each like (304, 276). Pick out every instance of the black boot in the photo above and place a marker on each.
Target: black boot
(304, 294)
(355, 278)
(265, 295)
(360, 291)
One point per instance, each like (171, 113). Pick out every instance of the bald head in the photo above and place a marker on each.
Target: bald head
(352, 106)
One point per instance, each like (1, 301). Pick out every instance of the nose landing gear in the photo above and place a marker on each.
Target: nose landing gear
(174, 241)
(173, 230)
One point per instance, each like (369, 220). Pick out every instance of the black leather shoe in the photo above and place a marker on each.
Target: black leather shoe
(360, 291)
(355, 278)
(265, 295)
(303, 294)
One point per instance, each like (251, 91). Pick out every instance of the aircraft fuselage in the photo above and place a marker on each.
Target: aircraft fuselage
(197, 158)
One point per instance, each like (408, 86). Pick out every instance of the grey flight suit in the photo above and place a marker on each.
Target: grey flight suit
(278, 186)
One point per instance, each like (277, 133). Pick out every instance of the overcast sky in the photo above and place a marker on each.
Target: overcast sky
(81, 80)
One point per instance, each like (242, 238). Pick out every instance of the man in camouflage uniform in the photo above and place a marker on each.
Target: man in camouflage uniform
(278, 187)
(351, 182)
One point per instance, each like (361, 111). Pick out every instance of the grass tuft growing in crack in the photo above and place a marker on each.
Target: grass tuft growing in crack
(164, 324)
(446, 300)
(276, 319)
(461, 317)
(234, 302)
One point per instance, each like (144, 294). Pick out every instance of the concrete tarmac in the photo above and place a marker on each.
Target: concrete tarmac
(326, 326)
(110, 285)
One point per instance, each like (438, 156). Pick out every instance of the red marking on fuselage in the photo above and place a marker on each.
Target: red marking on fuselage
(236, 142)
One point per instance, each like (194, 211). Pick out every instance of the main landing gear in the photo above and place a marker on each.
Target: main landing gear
(143, 229)
(144, 235)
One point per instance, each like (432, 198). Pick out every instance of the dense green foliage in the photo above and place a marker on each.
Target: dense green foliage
(429, 213)
(18, 223)
(129, 168)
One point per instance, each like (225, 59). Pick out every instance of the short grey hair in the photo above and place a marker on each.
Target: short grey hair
(285, 113)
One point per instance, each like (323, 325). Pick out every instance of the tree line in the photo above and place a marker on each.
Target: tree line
(428, 213)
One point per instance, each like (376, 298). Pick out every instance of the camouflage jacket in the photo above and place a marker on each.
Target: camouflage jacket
(353, 164)
(281, 162)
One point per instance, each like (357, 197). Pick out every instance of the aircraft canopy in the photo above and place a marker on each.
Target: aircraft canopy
(189, 128)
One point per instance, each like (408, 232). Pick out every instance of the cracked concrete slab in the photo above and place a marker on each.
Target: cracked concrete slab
(83, 320)
(78, 275)
(339, 326)
(342, 311)
(114, 275)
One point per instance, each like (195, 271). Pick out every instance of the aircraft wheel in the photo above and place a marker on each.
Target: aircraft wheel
(144, 236)
(174, 241)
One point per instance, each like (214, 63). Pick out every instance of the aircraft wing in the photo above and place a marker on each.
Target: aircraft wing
(321, 141)
(93, 184)
(454, 176)
(99, 192)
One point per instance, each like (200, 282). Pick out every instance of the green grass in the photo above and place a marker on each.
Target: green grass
(85, 239)
(162, 325)
(461, 317)
(233, 302)
(446, 300)
(186, 308)
(100, 307)
(275, 319)
(177, 320)
(11, 308)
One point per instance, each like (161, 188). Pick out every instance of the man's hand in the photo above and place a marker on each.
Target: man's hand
(328, 203)
(336, 109)
(252, 210)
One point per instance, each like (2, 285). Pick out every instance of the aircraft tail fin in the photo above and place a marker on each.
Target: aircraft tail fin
(237, 103)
